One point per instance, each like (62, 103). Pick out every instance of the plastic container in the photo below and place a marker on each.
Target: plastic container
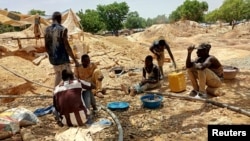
(151, 101)
(118, 105)
(177, 81)
(230, 72)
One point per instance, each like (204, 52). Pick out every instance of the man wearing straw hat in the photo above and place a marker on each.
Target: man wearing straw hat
(204, 70)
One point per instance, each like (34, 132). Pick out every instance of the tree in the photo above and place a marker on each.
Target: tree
(6, 28)
(149, 22)
(190, 10)
(212, 16)
(90, 21)
(230, 10)
(34, 12)
(234, 10)
(134, 21)
(160, 19)
(113, 15)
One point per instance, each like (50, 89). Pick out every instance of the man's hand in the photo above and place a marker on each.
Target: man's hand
(144, 81)
(158, 56)
(198, 66)
(77, 64)
(100, 78)
(191, 48)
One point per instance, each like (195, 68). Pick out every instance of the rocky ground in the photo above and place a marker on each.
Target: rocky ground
(177, 119)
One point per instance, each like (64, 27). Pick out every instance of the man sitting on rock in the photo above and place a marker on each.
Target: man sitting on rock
(72, 100)
(89, 72)
(151, 79)
(204, 70)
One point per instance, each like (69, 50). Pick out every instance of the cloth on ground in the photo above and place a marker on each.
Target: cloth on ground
(82, 134)
(43, 111)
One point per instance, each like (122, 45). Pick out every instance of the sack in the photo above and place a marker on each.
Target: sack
(23, 116)
(7, 124)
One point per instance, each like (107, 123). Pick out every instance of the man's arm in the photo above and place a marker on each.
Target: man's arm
(144, 73)
(46, 40)
(156, 72)
(152, 49)
(76, 72)
(205, 64)
(189, 64)
(67, 46)
(170, 54)
(87, 85)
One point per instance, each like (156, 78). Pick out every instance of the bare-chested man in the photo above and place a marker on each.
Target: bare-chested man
(158, 50)
(205, 70)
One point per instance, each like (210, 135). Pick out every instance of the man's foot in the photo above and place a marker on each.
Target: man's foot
(193, 93)
(124, 88)
(202, 95)
(132, 92)
(96, 110)
(99, 94)
(59, 123)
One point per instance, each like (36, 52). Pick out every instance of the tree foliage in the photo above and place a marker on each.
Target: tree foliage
(90, 21)
(159, 19)
(230, 10)
(189, 10)
(9, 28)
(34, 12)
(133, 20)
(113, 15)
(6, 28)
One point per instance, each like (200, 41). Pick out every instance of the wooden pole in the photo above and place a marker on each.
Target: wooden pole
(19, 43)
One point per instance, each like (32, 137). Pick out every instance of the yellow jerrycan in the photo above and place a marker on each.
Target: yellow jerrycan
(177, 81)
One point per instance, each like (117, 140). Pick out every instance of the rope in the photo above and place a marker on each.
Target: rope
(26, 78)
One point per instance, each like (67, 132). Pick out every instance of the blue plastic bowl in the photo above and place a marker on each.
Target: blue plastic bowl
(118, 105)
(151, 101)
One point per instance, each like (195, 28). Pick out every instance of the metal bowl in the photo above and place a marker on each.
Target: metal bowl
(118, 70)
(230, 72)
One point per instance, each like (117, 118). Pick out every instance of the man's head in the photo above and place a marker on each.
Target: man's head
(67, 75)
(85, 60)
(203, 49)
(162, 42)
(148, 61)
(57, 17)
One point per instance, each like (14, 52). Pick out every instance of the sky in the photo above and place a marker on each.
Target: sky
(145, 8)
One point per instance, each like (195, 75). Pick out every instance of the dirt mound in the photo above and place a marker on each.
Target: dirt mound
(177, 119)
